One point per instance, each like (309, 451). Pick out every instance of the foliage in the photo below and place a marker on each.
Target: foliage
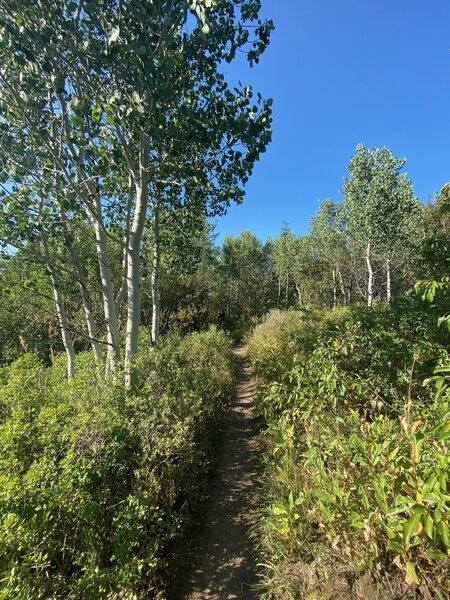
(357, 490)
(383, 217)
(112, 113)
(92, 480)
(245, 289)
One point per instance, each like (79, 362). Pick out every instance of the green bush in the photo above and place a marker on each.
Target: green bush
(358, 490)
(92, 480)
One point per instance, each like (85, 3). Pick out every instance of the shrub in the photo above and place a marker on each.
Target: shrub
(92, 480)
(358, 496)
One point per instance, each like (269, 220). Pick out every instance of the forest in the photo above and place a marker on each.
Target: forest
(130, 334)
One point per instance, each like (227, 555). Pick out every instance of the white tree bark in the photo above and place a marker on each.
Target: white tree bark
(89, 197)
(334, 290)
(60, 310)
(388, 281)
(370, 277)
(134, 264)
(109, 306)
(341, 283)
(287, 290)
(126, 238)
(155, 275)
(299, 294)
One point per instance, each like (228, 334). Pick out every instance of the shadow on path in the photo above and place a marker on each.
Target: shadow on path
(221, 563)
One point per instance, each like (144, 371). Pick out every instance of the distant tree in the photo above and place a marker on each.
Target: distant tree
(381, 213)
(247, 283)
(282, 252)
(435, 251)
(328, 230)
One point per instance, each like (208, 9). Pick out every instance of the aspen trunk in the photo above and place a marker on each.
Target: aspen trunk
(299, 294)
(388, 281)
(60, 311)
(109, 306)
(134, 265)
(85, 298)
(370, 277)
(155, 276)
(334, 290)
(287, 290)
(87, 307)
(126, 237)
(341, 283)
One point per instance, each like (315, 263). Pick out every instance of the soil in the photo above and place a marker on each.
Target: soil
(218, 561)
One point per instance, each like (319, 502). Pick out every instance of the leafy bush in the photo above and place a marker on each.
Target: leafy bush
(92, 481)
(358, 497)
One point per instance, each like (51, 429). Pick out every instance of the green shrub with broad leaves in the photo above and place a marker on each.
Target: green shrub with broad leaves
(358, 486)
(95, 482)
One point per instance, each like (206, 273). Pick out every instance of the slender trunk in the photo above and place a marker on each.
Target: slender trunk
(93, 209)
(109, 306)
(299, 294)
(134, 265)
(155, 276)
(370, 277)
(388, 280)
(87, 306)
(287, 290)
(126, 238)
(341, 283)
(85, 298)
(60, 310)
(334, 290)
(279, 291)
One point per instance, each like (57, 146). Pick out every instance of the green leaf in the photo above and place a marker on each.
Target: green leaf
(428, 525)
(431, 498)
(380, 498)
(445, 534)
(324, 496)
(399, 509)
(411, 573)
(435, 554)
(411, 526)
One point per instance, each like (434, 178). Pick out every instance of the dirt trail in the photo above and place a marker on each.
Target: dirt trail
(221, 564)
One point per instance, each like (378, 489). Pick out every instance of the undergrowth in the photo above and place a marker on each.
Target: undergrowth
(94, 482)
(357, 499)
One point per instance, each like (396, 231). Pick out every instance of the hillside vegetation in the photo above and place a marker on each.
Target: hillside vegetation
(357, 498)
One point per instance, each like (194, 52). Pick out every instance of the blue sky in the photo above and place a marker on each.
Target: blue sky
(342, 72)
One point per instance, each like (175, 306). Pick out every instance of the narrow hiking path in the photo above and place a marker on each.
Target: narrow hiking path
(220, 562)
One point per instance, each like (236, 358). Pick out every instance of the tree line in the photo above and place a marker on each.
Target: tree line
(372, 246)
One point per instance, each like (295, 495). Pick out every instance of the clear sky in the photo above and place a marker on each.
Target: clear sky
(342, 72)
